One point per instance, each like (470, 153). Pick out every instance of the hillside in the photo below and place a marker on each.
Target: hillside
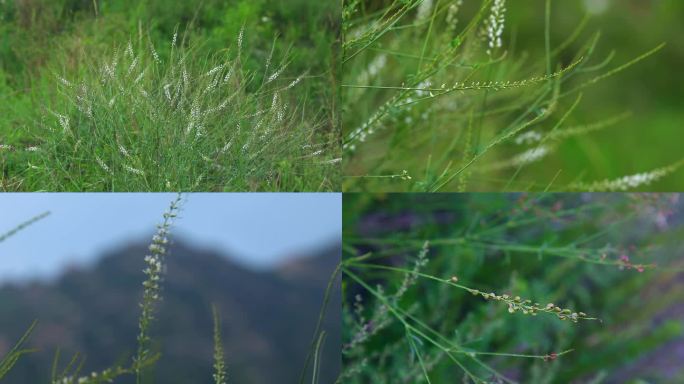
(268, 316)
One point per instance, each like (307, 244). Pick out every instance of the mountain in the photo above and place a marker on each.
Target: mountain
(268, 317)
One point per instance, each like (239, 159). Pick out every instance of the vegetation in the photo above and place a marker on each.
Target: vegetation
(506, 288)
(129, 96)
(16, 352)
(152, 294)
(141, 367)
(448, 95)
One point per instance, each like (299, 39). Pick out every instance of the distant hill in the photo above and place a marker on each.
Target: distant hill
(268, 316)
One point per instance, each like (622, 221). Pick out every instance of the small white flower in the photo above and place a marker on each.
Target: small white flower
(140, 76)
(424, 10)
(628, 182)
(528, 137)
(276, 74)
(240, 37)
(64, 81)
(132, 66)
(494, 25)
(295, 82)
(531, 155)
(129, 49)
(215, 69)
(452, 13)
(228, 75)
(159, 239)
(331, 161)
(133, 170)
(123, 151)
(154, 54)
(157, 249)
(102, 164)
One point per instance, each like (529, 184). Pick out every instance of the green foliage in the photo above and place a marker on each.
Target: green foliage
(486, 96)
(319, 335)
(13, 231)
(541, 288)
(14, 354)
(53, 43)
(220, 375)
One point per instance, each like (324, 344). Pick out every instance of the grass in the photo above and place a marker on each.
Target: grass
(220, 375)
(445, 98)
(508, 288)
(141, 367)
(145, 112)
(16, 352)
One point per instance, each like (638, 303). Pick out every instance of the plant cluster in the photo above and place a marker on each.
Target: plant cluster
(136, 122)
(147, 352)
(512, 288)
(152, 288)
(455, 105)
(163, 113)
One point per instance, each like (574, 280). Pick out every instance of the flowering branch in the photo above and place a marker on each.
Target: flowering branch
(152, 285)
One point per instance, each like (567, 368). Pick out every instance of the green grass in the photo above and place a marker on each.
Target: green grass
(433, 103)
(145, 99)
(510, 288)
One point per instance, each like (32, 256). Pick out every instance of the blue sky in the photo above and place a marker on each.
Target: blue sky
(259, 229)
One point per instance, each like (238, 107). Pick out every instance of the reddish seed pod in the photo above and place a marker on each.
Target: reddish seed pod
(550, 357)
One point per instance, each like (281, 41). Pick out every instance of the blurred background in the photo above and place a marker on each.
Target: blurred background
(640, 338)
(264, 259)
(40, 35)
(650, 90)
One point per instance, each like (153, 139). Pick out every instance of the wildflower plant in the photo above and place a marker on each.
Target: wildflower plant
(152, 288)
(440, 92)
(71, 373)
(145, 357)
(220, 374)
(134, 119)
(504, 288)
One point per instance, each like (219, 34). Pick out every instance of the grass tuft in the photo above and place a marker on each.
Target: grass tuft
(133, 120)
